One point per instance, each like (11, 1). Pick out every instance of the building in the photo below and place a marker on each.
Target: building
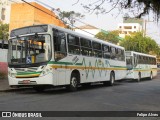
(91, 31)
(5, 8)
(88, 30)
(5, 11)
(23, 14)
(130, 25)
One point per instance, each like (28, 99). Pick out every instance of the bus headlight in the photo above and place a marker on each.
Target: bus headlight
(13, 75)
(45, 71)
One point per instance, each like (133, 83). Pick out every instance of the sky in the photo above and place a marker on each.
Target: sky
(107, 21)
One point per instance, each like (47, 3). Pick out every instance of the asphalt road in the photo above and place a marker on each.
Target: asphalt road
(124, 96)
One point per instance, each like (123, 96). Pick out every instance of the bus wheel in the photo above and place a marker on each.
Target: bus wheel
(39, 89)
(112, 79)
(73, 83)
(151, 76)
(139, 77)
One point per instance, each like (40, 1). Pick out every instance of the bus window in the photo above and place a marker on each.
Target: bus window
(122, 55)
(73, 44)
(154, 61)
(140, 59)
(59, 44)
(86, 48)
(119, 54)
(97, 49)
(129, 62)
(85, 43)
(106, 51)
(113, 53)
(135, 60)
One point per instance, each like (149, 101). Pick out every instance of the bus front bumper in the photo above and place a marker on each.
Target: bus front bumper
(41, 80)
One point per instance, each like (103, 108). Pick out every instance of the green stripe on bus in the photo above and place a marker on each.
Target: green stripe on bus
(78, 64)
(27, 73)
(63, 63)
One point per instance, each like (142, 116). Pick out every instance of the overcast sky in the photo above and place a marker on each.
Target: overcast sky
(108, 21)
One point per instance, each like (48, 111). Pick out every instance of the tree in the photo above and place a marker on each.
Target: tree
(70, 17)
(137, 42)
(111, 36)
(136, 7)
(4, 31)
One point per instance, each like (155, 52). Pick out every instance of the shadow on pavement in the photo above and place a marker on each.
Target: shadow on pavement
(61, 90)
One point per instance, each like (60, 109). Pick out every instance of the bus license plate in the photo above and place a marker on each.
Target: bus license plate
(26, 81)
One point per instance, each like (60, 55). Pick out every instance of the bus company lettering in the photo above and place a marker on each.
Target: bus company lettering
(14, 114)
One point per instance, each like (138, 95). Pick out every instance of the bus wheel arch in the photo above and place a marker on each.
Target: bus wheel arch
(74, 80)
(139, 77)
(151, 75)
(112, 78)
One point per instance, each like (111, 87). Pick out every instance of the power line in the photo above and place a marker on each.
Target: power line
(61, 12)
(102, 30)
(52, 15)
(72, 19)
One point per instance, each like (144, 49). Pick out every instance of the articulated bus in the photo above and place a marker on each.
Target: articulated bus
(44, 56)
(140, 65)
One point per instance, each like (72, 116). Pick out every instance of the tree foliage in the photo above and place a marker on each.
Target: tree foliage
(4, 31)
(111, 36)
(137, 42)
(136, 7)
(70, 17)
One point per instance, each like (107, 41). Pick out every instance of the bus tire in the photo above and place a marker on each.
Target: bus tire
(151, 76)
(73, 83)
(112, 79)
(39, 89)
(139, 77)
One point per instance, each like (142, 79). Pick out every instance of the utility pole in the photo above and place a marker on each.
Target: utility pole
(145, 27)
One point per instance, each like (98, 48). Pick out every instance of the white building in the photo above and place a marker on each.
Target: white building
(5, 8)
(130, 25)
(88, 30)
(128, 28)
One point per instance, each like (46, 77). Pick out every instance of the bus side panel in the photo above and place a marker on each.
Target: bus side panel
(119, 68)
(154, 70)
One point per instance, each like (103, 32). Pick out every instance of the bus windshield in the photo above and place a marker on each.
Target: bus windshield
(29, 49)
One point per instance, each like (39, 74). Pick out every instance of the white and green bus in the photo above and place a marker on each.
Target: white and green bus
(140, 65)
(44, 56)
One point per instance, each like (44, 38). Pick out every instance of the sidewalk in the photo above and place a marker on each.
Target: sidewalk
(4, 85)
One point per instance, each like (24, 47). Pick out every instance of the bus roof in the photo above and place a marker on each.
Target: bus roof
(72, 32)
(138, 53)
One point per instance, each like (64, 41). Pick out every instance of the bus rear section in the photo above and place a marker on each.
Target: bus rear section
(140, 65)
